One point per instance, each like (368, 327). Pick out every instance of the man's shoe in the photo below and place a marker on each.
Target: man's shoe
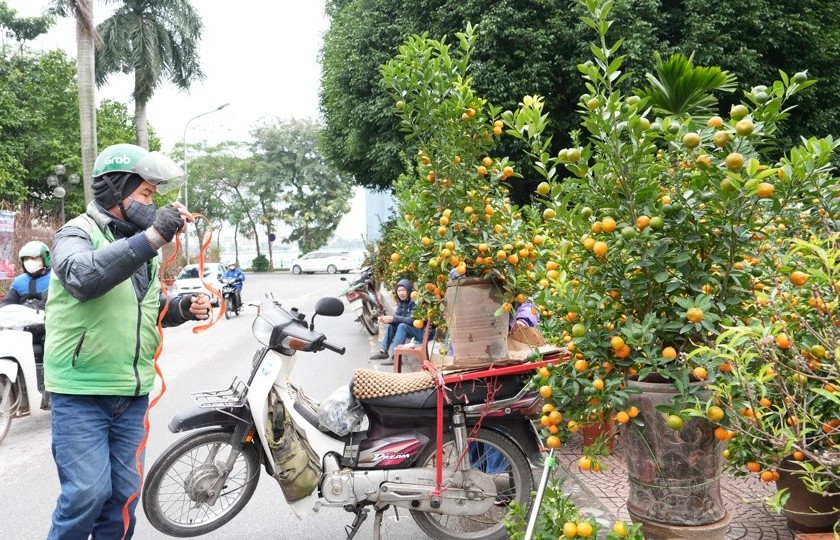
(381, 355)
(388, 362)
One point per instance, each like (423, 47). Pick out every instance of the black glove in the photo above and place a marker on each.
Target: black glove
(167, 222)
(184, 308)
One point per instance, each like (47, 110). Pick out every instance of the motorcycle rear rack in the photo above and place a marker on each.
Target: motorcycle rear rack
(234, 396)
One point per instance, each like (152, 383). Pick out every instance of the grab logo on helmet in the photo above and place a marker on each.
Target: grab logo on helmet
(122, 160)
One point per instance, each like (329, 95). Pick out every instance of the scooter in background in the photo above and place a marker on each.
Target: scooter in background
(364, 300)
(18, 370)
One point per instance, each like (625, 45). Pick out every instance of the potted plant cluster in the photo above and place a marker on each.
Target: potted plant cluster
(669, 209)
(456, 220)
(560, 519)
(778, 404)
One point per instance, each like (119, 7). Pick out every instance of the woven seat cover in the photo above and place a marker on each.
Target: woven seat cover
(369, 384)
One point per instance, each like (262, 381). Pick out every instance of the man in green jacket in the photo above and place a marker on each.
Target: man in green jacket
(102, 310)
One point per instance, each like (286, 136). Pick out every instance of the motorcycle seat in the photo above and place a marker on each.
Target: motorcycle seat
(417, 390)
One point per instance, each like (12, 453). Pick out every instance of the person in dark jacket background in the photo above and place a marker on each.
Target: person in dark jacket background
(101, 316)
(400, 325)
(30, 287)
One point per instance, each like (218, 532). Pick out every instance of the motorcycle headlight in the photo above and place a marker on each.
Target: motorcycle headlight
(262, 330)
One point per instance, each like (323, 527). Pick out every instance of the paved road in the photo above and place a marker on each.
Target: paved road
(206, 361)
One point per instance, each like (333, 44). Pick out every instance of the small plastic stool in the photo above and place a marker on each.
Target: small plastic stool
(419, 351)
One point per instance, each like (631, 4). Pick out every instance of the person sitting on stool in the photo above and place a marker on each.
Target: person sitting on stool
(400, 325)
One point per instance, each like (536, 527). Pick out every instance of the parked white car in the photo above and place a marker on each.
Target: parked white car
(188, 282)
(324, 261)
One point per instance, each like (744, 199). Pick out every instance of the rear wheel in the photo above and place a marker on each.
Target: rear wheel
(296, 270)
(331, 269)
(180, 484)
(496, 456)
(5, 406)
(369, 320)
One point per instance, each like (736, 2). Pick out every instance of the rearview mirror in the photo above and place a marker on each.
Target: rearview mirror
(329, 307)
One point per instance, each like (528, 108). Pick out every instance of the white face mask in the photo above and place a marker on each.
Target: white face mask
(33, 266)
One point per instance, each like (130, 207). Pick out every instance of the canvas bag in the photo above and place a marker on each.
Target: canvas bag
(297, 468)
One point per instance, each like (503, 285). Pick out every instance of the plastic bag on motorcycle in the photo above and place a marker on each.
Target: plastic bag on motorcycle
(341, 412)
(297, 468)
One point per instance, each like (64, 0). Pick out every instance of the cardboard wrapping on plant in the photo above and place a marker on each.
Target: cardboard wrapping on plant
(524, 342)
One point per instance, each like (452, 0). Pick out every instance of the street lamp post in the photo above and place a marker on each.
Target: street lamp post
(187, 176)
(57, 181)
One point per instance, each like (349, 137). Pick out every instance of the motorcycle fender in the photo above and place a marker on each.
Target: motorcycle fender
(357, 305)
(352, 296)
(522, 432)
(9, 368)
(199, 417)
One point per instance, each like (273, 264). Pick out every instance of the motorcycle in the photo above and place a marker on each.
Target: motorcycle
(230, 297)
(18, 369)
(453, 466)
(364, 300)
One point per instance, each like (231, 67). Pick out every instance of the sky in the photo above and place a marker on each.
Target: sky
(260, 56)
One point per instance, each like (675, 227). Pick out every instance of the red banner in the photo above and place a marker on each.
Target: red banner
(7, 256)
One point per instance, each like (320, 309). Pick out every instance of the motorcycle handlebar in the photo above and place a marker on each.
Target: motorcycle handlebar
(334, 348)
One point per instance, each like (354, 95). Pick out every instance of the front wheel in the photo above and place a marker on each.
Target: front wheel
(185, 477)
(228, 306)
(332, 269)
(296, 270)
(369, 320)
(5, 406)
(496, 456)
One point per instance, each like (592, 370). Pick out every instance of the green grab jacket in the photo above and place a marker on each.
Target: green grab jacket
(104, 345)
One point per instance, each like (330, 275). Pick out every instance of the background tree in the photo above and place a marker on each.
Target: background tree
(156, 41)
(312, 195)
(87, 39)
(22, 29)
(214, 172)
(39, 128)
(534, 46)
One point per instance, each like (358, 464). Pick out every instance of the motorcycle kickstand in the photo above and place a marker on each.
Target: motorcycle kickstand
(377, 522)
(361, 516)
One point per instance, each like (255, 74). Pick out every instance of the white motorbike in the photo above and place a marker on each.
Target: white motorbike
(387, 439)
(18, 372)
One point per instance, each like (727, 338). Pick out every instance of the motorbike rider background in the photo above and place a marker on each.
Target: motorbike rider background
(238, 275)
(30, 287)
(104, 303)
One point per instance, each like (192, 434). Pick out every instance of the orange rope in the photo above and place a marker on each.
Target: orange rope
(138, 454)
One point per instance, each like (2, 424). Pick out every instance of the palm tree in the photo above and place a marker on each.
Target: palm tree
(156, 39)
(87, 40)
(682, 89)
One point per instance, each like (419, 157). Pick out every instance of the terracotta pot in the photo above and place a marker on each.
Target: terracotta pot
(478, 336)
(804, 510)
(674, 475)
(591, 432)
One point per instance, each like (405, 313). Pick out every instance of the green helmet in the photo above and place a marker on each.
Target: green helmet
(153, 167)
(35, 249)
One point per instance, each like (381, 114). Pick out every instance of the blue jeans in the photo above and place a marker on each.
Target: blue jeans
(487, 459)
(94, 439)
(399, 333)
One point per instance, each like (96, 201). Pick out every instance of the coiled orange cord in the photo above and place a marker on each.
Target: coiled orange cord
(138, 454)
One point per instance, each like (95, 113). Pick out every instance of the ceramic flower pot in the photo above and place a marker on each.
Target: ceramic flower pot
(591, 432)
(806, 511)
(674, 475)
